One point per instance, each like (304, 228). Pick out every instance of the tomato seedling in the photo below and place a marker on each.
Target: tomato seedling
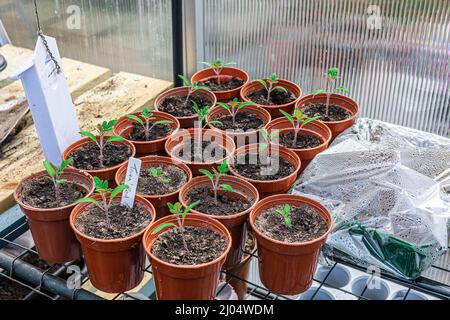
(146, 124)
(270, 85)
(332, 76)
(158, 173)
(298, 121)
(217, 66)
(286, 214)
(192, 87)
(55, 172)
(233, 107)
(215, 176)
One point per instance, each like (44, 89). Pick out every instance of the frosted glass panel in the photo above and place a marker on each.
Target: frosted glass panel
(124, 35)
(398, 73)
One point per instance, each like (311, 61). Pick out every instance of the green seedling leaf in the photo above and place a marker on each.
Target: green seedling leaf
(186, 81)
(223, 105)
(165, 180)
(115, 138)
(223, 168)
(227, 187)
(88, 135)
(163, 226)
(156, 172)
(174, 208)
(207, 173)
(280, 88)
(159, 122)
(308, 120)
(263, 83)
(333, 73)
(146, 113)
(319, 91)
(298, 113)
(265, 133)
(65, 164)
(343, 89)
(245, 104)
(135, 118)
(288, 116)
(189, 208)
(49, 168)
(61, 181)
(215, 122)
(117, 190)
(87, 200)
(209, 65)
(263, 147)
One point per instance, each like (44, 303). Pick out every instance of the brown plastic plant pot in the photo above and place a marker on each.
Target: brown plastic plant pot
(344, 102)
(288, 268)
(124, 126)
(189, 121)
(274, 110)
(186, 282)
(241, 138)
(175, 143)
(158, 201)
(226, 74)
(235, 223)
(106, 173)
(54, 238)
(315, 127)
(115, 265)
(269, 187)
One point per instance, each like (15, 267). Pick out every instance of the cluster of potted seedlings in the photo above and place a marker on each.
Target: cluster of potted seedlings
(217, 154)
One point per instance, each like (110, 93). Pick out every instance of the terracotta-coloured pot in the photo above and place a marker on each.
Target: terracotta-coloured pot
(106, 173)
(348, 104)
(315, 127)
(186, 282)
(176, 140)
(269, 187)
(288, 268)
(158, 201)
(114, 265)
(274, 110)
(240, 138)
(54, 238)
(124, 126)
(226, 74)
(235, 223)
(185, 122)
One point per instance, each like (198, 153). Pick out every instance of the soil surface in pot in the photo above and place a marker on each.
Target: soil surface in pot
(9, 290)
(125, 222)
(277, 97)
(307, 224)
(40, 193)
(214, 85)
(211, 152)
(159, 131)
(38, 262)
(204, 245)
(228, 203)
(244, 121)
(87, 156)
(178, 107)
(171, 179)
(261, 170)
(335, 113)
(304, 141)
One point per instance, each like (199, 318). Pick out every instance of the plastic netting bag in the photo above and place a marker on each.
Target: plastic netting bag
(380, 182)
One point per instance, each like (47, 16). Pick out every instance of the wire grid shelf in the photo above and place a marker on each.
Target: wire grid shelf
(327, 284)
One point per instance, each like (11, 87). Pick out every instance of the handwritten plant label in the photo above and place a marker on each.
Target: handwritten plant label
(131, 179)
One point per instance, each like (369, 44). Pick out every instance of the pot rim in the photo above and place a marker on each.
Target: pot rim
(225, 68)
(323, 140)
(340, 96)
(78, 210)
(161, 114)
(44, 173)
(271, 106)
(256, 146)
(308, 201)
(80, 143)
(156, 158)
(200, 180)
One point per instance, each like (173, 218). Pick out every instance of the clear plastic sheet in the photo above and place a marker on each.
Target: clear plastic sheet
(386, 188)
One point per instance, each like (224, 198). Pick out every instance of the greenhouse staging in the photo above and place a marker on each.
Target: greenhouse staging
(236, 157)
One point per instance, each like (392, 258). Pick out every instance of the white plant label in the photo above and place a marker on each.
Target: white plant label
(49, 100)
(131, 179)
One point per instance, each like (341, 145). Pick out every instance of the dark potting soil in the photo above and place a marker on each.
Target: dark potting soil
(277, 97)
(228, 203)
(87, 157)
(124, 221)
(244, 121)
(38, 262)
(204, 245)
(159, 131)
(211, 152)
(224, 85)
(40, 193)
(150, 185)
(261, 170)
(335, 113)
(9, 290)
(304, 141)
(307, 224)
(178, 107)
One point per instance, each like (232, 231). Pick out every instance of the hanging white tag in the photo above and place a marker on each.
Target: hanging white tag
(131, 179)
(49, 100)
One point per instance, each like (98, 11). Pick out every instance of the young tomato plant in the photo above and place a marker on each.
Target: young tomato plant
(177, 210)
(233, 107)
(215, 176)
(298, 121)
(148, 116)
(158, 173)
(192, 87)
(270, 85)
(55, 174)
(217, 66)
(286, 214)
(269, 138)
(332, 76)
(101, 188)
(102, 130)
